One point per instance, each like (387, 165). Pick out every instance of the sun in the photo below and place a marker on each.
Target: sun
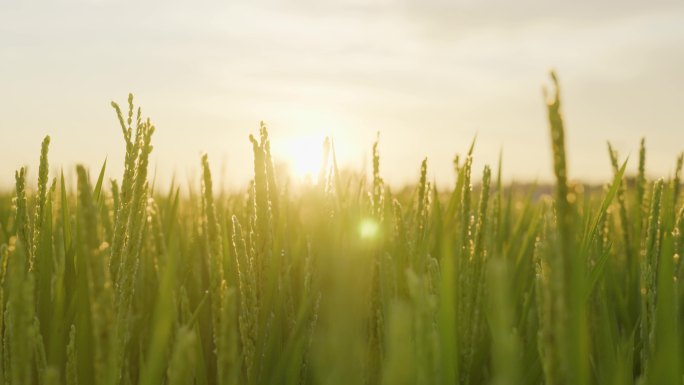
(300, 149)
(303, 157)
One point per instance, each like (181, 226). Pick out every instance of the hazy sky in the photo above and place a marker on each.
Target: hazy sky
(428, 75)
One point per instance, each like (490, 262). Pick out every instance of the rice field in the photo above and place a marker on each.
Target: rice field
(342, 281)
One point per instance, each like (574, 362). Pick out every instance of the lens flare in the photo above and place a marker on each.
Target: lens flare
(368, 228)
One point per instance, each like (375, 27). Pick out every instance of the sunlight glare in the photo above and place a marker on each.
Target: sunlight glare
(304, 157)
(368, 228)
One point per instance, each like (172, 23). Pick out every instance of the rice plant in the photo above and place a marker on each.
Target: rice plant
(342, 281)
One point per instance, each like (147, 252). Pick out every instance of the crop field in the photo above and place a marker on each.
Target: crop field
(342, 280)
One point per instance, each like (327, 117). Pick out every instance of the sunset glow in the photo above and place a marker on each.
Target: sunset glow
(302, 157)
(336, 192)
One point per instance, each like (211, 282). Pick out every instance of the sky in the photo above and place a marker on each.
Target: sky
(427, 75)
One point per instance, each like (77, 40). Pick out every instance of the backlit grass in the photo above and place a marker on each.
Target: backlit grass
(341, 281)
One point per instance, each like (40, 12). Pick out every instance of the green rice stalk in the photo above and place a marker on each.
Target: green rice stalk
(650, 251)
(676, 181)
(71, 364)
(94, 276)
(22, 227)
(399, 367)
(472, 339)
(181, 368)
(270, 171)
(631, 260)
(641, 187)
(213, 241)
(130, 254)
(249, 308)
(378, 184)
(19, 318)
(229, 362)
(506, 345)
(261, 238)
(123, 209)
(421, 212)
(41, 199)
(570, 301)
(323, 180)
